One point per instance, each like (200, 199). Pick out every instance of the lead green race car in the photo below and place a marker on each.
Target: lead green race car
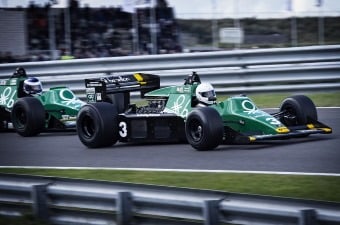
(32, 113)
(174, 114)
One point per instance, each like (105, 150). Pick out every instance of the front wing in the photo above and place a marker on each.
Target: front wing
(296, 131)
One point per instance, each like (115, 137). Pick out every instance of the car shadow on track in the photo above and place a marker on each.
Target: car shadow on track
(180, 145)
(57, 133)
(224, 147)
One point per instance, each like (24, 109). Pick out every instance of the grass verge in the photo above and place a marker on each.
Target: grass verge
(323, 188)
(24, 220)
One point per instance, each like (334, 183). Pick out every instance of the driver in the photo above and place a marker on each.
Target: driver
(205, 94)
(32, 86)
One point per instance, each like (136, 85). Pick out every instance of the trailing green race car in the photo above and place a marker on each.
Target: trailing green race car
(187, 112)
(24, 106)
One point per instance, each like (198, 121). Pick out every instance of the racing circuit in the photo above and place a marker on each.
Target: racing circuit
(313, 154)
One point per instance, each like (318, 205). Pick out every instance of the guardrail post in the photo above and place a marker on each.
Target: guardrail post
(211, 212)
(124, 208)
(39, 201)
(307, 217)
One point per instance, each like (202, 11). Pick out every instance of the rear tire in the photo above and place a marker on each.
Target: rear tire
(28, 116)
(4, 118)
(298, 110)
(97, 125)
(204, 128)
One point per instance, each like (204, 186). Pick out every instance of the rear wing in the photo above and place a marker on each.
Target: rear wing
(98, 89)
(116, 89)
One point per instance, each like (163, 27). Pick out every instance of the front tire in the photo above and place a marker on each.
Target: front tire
(28, 116)
(97, 125)
(298, 110)
(204, 128)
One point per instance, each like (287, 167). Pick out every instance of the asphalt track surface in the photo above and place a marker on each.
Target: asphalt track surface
(314, 154)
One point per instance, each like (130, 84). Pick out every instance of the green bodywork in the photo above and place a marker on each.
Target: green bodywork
(242, 115)
(238, 113)
(60, 104)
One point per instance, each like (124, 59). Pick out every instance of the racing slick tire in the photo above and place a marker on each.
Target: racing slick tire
(204, 128)
(299, 110)
(4, 117)
(97, 125)
(28, 116)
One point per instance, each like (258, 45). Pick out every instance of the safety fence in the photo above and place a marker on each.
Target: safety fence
(238, 71)
(75, 201)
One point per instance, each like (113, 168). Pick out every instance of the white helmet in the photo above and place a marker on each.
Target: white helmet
(32, 85)
(205, 93)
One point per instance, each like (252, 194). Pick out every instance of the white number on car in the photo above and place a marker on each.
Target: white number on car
(123, 129)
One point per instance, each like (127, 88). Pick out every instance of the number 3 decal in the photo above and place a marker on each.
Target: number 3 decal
(273, 121)
(122, 129)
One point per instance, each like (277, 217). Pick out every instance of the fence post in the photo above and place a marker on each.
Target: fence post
(307, 217)
(211, 212)
(39, 201)
(124, 208)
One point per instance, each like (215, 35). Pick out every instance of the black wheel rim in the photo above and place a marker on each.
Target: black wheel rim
(196, 130)
(289, 116)
(88, 127)
(20, 118)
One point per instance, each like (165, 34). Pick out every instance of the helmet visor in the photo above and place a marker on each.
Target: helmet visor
(208, 94)
(36, 87)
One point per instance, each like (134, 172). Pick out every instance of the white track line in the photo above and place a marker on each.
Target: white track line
(173, 170)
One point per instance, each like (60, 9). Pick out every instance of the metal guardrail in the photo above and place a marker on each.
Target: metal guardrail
(74, 201)
(256, 70)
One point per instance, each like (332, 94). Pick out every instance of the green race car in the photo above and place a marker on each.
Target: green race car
(175, 113)
(29, 110)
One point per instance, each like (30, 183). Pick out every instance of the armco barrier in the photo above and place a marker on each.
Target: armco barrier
(256, 70)
(74, 201)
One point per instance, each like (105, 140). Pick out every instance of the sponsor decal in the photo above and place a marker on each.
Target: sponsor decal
(251, 110)
(180, 106)
(90, 97)
(123, 79)
(94, 84)
(69, 99)
(7, 97)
